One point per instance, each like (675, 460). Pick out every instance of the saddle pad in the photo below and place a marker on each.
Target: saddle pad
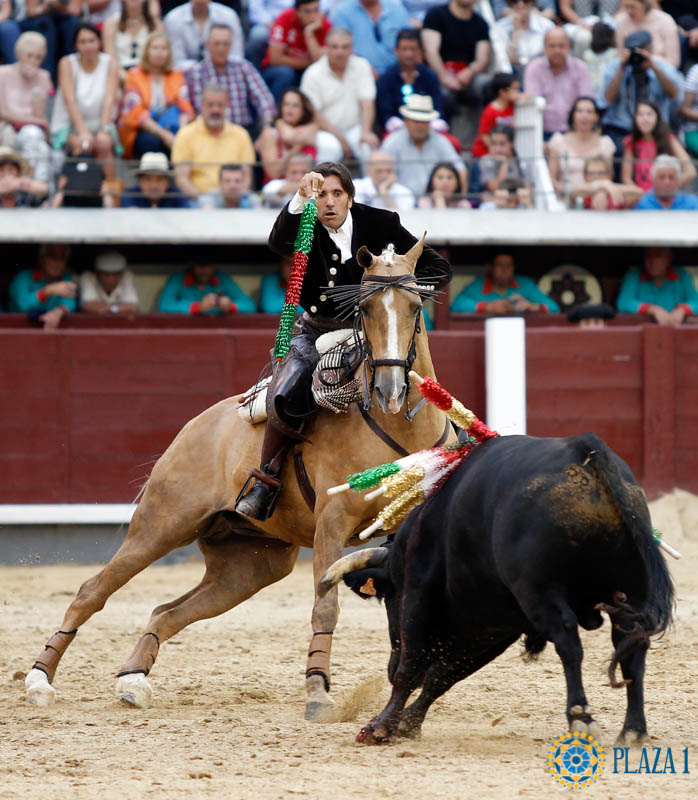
(330, 340)
(253, 403)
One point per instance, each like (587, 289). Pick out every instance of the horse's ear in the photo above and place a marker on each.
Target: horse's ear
(415, 252)
(364, 257)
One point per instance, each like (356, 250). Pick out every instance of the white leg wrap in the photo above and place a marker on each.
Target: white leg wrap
(134, 689)
(39, 690)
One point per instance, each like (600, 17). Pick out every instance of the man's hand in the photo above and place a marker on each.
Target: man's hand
(498, 307)
(208, 302)
(370, 138)
(52, 319)
(61, 289)
(449, 80)
(384, 187)
(661, 315)
(464, 77)
(311, 184)
(521, 304)
(225, 304)
(313, 26)
(677, 316)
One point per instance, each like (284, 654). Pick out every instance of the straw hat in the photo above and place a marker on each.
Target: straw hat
(10, 156)
(419, 107)
(151, 163)
(111, 261)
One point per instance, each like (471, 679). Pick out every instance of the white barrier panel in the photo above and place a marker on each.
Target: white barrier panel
(67, 514)
(505, 374)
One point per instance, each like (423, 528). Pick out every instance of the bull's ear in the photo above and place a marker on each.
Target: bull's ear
(364, 257)
(370, 582)
(413, 254)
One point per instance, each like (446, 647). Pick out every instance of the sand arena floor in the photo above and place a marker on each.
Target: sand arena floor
(227, 718)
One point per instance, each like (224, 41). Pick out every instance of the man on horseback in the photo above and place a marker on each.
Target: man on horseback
(344, 227)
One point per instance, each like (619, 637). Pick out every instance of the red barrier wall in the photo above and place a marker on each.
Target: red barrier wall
(84, 413)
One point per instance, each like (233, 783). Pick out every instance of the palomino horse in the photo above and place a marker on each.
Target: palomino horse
(191, 493)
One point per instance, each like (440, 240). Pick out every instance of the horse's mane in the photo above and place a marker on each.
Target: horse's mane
(351, 296)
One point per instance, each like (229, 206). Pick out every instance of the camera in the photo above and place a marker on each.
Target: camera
(640, 40)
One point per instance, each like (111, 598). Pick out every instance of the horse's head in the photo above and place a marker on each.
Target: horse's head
(390, 309)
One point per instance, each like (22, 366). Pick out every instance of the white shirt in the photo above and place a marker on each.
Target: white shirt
(341, 237)
(338, 99)
(187, 38)
(530, 42)
(367, 193)
(91, 290)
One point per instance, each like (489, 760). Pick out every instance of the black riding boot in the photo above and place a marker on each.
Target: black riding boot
(259, 501)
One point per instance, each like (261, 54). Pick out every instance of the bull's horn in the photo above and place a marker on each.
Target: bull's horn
(360, 559)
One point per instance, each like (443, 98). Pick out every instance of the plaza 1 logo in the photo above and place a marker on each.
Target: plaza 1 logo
(650, 761)
(576, 760)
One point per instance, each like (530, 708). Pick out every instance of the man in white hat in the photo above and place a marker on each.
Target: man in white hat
(110, 288)
(155, 189)
(17, 187)
(417, 148)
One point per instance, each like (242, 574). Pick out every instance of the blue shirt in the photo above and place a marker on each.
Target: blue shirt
(26, 292)
(682, 202)
(182, 295)
(620, 113)
(134, 198)
(639, 290)
(374, 41)
(389, 96)
(473, 298)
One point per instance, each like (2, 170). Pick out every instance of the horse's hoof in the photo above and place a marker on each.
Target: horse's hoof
(321, 712)
(39, 690)
(373, 734)
(134, 690)
(631, 738)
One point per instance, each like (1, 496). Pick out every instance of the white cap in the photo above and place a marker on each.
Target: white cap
(111, 261)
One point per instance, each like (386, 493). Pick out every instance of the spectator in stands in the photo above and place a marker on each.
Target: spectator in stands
(666, 177)
(685, 14)
(457, 47)
(245, 86)
(558, 77)
(156, 101)
(273, 287)
(17, 188)
(85, 108)
(155, 189)
(125, 35)
(637, 74)
(56, 20)
(294, 131)
(444, 189)
(201, 289)
(407, 76)
(659, 290)
(642, 15)
(201, 146)
(501, 9)
(505, 88)
(278, 191)
(500, 292)
(24, 92)
(599, 192)
(417, 149)
(567, 152)
(261, 15)
(47, 293)
(522, 31)
(650, 137)
(689, 109)
(233, 190)
(580, 16)
(512, 194)
(380, 187)
(110, 288)
(601, 50)
(502, 162)
(297, 40)
(374, 24)
(188, 27)
(341, 87)
(417, 9)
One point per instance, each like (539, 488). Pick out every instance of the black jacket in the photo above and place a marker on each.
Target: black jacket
(374, 228)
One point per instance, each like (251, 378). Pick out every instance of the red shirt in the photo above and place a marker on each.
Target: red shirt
(287, 30)
(488, 119)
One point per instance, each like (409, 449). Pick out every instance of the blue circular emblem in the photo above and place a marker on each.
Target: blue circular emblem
(576, 760)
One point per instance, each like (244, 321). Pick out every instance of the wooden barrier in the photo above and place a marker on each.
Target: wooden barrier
(85, 413)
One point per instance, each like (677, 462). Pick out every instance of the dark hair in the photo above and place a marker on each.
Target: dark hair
(147, 16)
(308, 109)
(449, 166)
(328, 168)
(583, 98)
(511, 185)
(229, 168)
(408, 35)
(602, 37)
(661, 133)
(299, 3)
(220, 26)
(502, 81)
(505, 129)
(86, 26)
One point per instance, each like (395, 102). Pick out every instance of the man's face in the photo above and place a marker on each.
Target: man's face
(108, 280)
(333, 203)
(213, 108)
(202, 273)
(502, 269)
(464, 3)
(297, 167)
(657, 261)
(418, 130)
(9, 170)
(219, 43)
(29, 61)
(408, 54)
(153, 185)
(380, 169)
(232, 183)
(596, 171)
(308, 13)
(556, 48)
(200, 6)
(666, 182)
(54, 260)
(339, 49)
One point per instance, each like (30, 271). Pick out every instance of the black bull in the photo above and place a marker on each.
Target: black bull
(529, 536)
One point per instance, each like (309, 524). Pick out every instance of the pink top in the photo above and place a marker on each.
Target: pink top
(662, 29)
(571, 162)
(559, 90)
(644, 152)
(17, 95)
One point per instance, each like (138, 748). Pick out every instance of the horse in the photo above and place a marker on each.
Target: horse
(191, 492)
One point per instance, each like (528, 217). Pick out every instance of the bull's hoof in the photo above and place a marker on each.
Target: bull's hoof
(39, 690)
(373, 734)
(134, 690)
(321, 712)
(631, 738)
(409, 732)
